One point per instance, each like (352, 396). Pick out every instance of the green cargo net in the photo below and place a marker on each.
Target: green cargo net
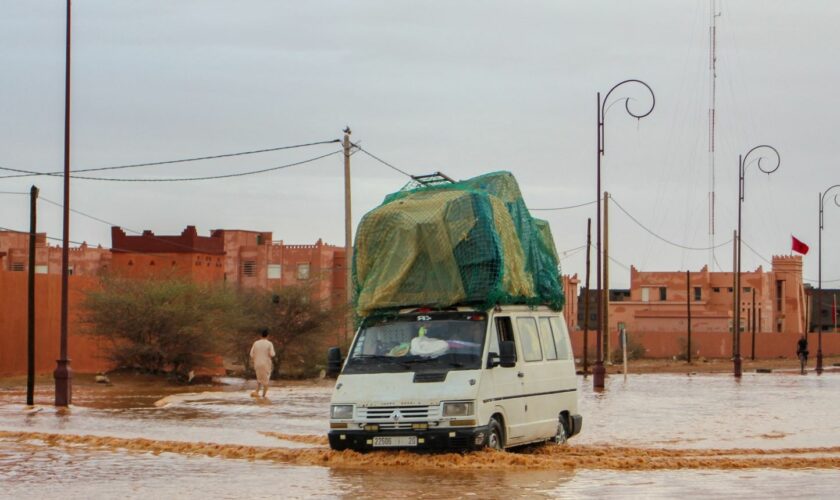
(471, 242)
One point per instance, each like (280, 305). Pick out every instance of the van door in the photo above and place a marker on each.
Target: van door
(537, 381)
(504, 391)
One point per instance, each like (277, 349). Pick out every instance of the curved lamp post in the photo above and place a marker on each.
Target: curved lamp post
(819, 278)
(598, 370)
(744, 161)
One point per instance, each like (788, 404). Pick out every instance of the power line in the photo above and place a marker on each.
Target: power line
(11, 192)
(684, 247)
(568, 207)
(28, 173)
(380, 160)
(47, 237)
(208, 177)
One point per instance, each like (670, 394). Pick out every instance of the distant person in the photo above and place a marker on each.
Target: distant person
(261, 354)
(802, 353)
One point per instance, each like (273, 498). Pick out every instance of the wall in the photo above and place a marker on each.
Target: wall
(715, 344)
(83, 351)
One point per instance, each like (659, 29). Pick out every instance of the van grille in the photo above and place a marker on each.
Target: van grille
(377, 414)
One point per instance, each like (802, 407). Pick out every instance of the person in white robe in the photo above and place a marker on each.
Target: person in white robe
(262, 353)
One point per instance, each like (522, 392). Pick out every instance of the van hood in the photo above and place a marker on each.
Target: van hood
(400, 389)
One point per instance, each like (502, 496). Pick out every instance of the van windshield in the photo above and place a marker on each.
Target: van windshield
(420, 341)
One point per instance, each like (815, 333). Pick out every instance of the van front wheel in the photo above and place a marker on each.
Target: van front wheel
(494, 435)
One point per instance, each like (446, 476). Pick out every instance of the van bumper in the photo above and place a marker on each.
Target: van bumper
(447, 439)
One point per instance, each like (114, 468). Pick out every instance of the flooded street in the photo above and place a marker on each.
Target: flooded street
(653, 436)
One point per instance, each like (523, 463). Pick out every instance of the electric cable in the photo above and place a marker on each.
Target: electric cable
(567, 207)
(380, 160)
(28, 173)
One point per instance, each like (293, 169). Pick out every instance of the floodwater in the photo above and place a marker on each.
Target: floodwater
(651, 436)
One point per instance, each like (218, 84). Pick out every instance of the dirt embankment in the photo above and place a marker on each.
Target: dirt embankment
(553, 457)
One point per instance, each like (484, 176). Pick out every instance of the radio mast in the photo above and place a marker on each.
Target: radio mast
(713, 15)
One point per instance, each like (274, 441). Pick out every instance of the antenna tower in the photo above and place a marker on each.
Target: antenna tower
(713, 15)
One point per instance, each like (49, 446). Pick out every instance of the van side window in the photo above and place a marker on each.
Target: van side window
(547, 339)
(561, 337)
(504, 330)
(530, 338)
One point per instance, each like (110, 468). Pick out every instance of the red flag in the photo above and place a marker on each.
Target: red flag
(798, 246)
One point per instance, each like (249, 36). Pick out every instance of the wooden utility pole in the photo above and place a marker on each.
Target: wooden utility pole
(348, 236)
(752, 324)
(586, 300)
(736, 312)
(688, 309)
(30, 350)
(605, 325)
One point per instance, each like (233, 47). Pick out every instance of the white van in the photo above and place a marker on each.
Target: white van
(457, 379)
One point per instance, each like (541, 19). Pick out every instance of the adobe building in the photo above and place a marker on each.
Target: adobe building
(772, 300)
(84, 260)
(198, 258)
(253, 260)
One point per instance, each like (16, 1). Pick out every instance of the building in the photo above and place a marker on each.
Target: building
(198, 258)
(772, 301)
(252, 260)
(84, 260)
(823, 312)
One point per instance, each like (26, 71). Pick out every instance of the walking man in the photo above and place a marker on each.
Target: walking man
(802, 353)
(261, 354)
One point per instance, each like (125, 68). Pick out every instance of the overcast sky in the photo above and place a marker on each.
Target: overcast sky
(461, 87)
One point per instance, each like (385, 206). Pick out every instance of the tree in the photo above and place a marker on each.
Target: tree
(299, 326)
(157, 326)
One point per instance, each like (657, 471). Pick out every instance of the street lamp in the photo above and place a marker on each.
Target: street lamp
(761, 152)
(819, 277)
(598, 370)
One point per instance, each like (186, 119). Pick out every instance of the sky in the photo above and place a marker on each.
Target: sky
(463, 88)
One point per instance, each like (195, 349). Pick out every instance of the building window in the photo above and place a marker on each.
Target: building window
(259, 239)
(645, 294)
(716, 289)
(303, 271)
(698, 294)
(70, 271)
(729, 289)
(18, 266)
(41, 269)
(663, 293)
(747, 289)
(249, 268)
(779, 294)
(274, 271)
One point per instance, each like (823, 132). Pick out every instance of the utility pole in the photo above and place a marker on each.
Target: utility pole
(586, 300)
(606, 301)
(734, 284)
(752, 324)
(63, 374)
(30, 350)
(348, 235)
(688, 309)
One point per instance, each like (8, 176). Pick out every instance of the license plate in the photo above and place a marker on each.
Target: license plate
(391, 441)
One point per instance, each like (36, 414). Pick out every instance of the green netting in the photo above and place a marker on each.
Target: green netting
(471, 242)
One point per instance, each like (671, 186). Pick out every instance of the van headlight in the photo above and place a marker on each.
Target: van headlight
(341, 411)
(459, 409)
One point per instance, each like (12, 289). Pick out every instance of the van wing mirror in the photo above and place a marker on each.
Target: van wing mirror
(333, 361)
(507, 354)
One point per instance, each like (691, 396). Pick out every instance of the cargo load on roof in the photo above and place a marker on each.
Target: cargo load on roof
(471, 242)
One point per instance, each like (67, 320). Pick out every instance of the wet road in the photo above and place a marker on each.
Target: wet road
(653, 435)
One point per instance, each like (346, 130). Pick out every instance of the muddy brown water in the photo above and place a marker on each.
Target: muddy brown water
(652, 436)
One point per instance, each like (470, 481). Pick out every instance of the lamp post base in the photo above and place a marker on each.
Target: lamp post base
(819, 368)
(63, 382)
(598, 375)
(736, 366)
